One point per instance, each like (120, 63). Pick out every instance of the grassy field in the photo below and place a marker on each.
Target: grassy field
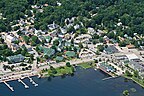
(60, 71)
(86, 65)
(138, 81)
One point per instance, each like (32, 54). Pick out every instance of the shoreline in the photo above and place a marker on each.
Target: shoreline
(22, 76)
(134, 81)
(29, 73)
(43, 75)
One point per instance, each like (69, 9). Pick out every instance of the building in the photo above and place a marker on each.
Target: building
(70, 54)
(14, 47)
(16, 58)
(83, 38)
(121, 57)
(139, 66)
(10, 38)
(59, 58)
(110, 49)
(53, 26)
(130, 46)
(132, 57)
(91, 30)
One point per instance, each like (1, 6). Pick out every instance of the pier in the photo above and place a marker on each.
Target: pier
(11, 88)
(33, 82)
(26, 86)
(110, 78)
(106, 72)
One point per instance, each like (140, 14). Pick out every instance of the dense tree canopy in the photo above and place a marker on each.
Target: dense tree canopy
(104, 14)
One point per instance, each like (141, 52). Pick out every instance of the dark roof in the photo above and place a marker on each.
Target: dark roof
(29, 49)
(111, 49)
(121, 57)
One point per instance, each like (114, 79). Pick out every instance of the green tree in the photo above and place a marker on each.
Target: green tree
(126, 93)
(68, 64)
(128, 73)
(100, 48)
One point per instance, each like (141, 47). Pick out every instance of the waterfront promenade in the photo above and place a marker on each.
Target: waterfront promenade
(35, 71)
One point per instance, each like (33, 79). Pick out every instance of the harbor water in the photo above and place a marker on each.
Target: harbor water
(84, 83)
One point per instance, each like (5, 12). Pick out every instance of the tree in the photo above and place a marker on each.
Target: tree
(96, 61)
(16, 42)
(80, 45)
(128, 73)
(71, 29)
(100, 48)
(56, 42)
(19, 33)
(68, 64)
(26, 39)
(126, 93)
(83, 31)
(136, 74)
(34, 39)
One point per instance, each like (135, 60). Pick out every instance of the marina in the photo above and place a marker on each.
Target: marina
(11, 88)
(26, 86)
(84, 83)
(33, 82)
(20, 81)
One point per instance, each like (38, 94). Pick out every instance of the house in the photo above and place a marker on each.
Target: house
(85, 53)
(59, 58)
(63, 30)
(60, 35)
(48, 38)
(53, 26)
(59, 4)
(70, 54)
(130, 46)
(76, 26)
(10, 38)
(47, 51)
(16, 58)
(41, 38)
(30, 50)
(91, 30)
(82, 38)
(14, 47)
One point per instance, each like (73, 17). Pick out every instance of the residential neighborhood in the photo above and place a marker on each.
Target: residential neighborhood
(51, 38)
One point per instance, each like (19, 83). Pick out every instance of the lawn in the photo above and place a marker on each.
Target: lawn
(61, 71)
(138, 81)
(85, 65)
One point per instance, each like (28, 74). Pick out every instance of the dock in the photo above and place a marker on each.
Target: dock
(106, 72)
(26, 86)
(110, 78)
(11, 88)
(33, 82)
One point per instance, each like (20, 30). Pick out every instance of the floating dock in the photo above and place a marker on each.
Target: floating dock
(26, 86)
(33, 82)
(11, 88)
(110, 78)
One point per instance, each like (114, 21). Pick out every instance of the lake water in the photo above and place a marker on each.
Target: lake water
(84, 83)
